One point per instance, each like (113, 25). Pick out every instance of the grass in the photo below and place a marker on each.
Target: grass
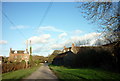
(84, 74)
(19, 74)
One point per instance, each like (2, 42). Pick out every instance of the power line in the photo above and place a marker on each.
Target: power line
(11, 22)
(43, 18)
(45, 14)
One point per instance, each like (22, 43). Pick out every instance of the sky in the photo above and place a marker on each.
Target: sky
(49, 25)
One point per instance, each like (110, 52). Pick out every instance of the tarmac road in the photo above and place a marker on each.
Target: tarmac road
(42, 74)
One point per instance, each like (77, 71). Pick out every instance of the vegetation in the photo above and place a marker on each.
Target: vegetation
(84, 74)
(7, 67)
(107, 16)
(39, 59)
(89, 56)
(96, 57)
(53, 55)
(19, 74)
(4, 59)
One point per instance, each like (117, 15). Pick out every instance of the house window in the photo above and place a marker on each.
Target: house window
(20, 56)
(15, 56)
(25, 56)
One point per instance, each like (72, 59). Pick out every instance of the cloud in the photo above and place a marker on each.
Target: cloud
(62, 35)
(57, 46)
(49, 28)
(3, 42)
(77, 31)
(43, 50)
(40, 39)
(44, 44)
(85, 37)
(91, 35)
(99, 41)
(19, 27)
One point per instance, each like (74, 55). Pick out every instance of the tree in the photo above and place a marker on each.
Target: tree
(106, 15)
(82, 42)
(53, 55)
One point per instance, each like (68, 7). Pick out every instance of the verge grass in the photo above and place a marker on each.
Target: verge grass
(19, 74)
(84, 74)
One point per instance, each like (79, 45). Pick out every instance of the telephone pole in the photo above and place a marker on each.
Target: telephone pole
(30, 48)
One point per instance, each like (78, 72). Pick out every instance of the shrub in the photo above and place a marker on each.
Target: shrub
(7, 67)
(94, 57)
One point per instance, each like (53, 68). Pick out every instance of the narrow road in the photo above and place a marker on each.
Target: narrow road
(42, 74)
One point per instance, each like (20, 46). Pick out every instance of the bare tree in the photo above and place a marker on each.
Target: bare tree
(106, 15)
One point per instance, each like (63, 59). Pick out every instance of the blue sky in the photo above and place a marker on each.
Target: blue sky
(62, 25)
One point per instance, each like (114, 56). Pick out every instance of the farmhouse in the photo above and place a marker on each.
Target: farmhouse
(67, 56)
(18, 55)
(74, 49)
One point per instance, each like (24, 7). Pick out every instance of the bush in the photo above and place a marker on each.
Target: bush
(7, 67)
(31, 62)
(94, 57)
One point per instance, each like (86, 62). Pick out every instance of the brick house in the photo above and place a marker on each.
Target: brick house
(18, 55)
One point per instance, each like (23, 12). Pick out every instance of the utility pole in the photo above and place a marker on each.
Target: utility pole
(27, 46)
(30, 48)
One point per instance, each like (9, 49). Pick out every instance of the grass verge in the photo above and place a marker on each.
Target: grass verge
(19, 74)
(84, 74)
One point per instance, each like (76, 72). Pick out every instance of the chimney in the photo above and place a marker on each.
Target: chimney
(10, 50)
(64, 47)
(73, 45)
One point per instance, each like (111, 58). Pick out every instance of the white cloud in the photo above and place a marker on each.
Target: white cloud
(43, 50)
(40, 39)
(62, 35)
(49, 28)
(3, 42)
(99, 41)
(91, 35)
(88, 39)
(77, 31)
(85, 37)
(19, 27)
(44, 44)
(57, 46)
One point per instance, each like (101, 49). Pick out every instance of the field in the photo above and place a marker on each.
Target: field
(19, 74)
(84, 74)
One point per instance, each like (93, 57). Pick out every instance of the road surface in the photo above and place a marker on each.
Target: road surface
(42, 74)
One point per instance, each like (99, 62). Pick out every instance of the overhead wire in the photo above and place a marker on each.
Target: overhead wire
(43, 18)
(13, 24)
(45, 14)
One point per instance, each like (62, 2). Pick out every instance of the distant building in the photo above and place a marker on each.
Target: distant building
(73, 49)
(66, 49)
(18, 55)
(67, 56)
